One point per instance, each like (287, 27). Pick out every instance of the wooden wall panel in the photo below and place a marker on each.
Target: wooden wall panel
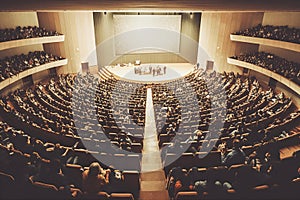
(289, 55)
(13, 19)
(79, 37)
(291, 19)
(12, 87)
(86, 37)
(20, 50)
(215, 32)
(40, 76)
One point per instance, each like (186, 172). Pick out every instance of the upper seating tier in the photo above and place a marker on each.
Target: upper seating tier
(276, 36)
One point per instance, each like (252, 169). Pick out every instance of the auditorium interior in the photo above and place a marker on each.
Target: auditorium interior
(149, 100)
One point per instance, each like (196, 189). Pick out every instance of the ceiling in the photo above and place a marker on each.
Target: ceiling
(151, 5)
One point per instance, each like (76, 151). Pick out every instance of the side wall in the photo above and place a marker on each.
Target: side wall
(14, 19)
(79, 45)
(291, 19)
(215, 40)
(215, 31)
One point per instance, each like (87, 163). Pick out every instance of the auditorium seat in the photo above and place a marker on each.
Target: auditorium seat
(286, 170)
(99, 196)
(74, 174)
(136, 147)
(8, 187)
(244, 176)
(132, 182)
(133, 162)
(192, 195)
(121, 196)
(44, 190)
(53, 101)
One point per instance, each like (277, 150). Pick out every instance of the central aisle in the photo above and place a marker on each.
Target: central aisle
(153, 179)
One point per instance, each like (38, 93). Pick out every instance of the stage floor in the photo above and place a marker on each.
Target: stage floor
(173, 71)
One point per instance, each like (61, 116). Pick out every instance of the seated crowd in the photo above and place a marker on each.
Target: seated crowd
(283, 33)
(90, 117)
(67, 106)
(247, 106)
(33, 165)
(288, 69)
(10, 66)
(24, 33)
(262, 174)
(250, 131)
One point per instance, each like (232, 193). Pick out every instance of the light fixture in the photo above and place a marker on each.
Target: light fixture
(191, 15)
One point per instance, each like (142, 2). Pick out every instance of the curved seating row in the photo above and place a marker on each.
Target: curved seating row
(276, 36)
(27, 35)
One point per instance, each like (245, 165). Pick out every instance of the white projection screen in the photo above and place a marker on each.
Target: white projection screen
(146, 33)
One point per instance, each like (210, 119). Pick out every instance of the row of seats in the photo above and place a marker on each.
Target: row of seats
(24, 33)
(283, 33)
(10, 66)
(50, 109)
(288, 69)
(261, 107)
(277, 106)
(31, 163)
(83, 108)
(236, 181)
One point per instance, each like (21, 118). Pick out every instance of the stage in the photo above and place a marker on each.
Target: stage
(152, 72)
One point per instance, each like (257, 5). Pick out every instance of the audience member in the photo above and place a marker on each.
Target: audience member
(10, 66)
(24, 33)
(283, 33)
(95, 179)
(236, 156)
(288, 69)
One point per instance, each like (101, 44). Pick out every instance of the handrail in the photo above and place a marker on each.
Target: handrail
(31, 71)
(292, 85)
(30, 41)
(267, 42)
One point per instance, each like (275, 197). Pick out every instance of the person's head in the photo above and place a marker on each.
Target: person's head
(10, 146)
(236, 143)
(268, 155)
(95, 169)
(192, 172)
(199, 133)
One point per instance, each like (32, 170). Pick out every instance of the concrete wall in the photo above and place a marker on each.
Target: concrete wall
(104, 33)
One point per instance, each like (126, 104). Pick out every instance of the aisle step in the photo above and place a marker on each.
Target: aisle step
(153, 181)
